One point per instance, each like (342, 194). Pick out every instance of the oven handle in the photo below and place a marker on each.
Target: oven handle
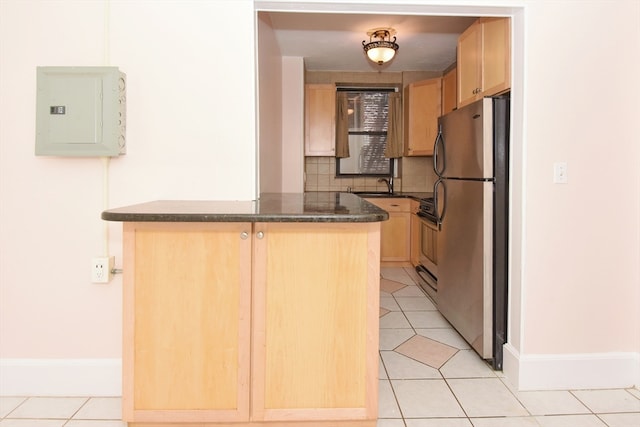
(427, 277)
(427, 217)
(436, 201)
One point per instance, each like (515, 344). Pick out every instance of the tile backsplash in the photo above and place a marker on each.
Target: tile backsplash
(415, 174)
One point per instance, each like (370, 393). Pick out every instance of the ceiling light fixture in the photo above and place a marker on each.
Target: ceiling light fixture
(381, 50)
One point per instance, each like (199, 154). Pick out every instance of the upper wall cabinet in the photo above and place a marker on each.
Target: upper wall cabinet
(319, 119)
(484, 59)
(449, 91)
(422, 107)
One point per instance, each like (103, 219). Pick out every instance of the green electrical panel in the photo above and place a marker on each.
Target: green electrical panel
(80, 112)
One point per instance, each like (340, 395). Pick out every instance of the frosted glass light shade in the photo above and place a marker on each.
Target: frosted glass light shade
(380, 48)
(381, 55)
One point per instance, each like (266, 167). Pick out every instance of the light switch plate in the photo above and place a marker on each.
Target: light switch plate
(560, 173)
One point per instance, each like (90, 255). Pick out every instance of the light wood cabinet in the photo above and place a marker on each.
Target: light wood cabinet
(484, 59)
(395, 245)
(422, 107)
(315, 311)
(187, 297)
(320, 120)
(449, 91)
(250, 324)
(415, 233)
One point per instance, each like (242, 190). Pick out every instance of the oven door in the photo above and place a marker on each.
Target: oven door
(427, 267)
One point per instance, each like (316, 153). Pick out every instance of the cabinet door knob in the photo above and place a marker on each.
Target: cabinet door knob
(244, 235)
(259, 234)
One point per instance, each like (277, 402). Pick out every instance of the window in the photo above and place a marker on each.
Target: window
(368, 123)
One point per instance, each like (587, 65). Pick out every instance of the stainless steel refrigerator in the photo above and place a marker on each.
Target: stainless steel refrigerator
(471, 160)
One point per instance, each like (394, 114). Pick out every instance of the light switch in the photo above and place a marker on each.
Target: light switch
(560, 173)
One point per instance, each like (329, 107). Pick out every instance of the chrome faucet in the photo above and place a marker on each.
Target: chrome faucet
(389, 183)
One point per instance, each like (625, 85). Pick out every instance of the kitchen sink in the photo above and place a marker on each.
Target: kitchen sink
(374, 194)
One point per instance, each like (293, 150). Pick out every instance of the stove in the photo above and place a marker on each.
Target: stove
(428, 209)
(427, 268)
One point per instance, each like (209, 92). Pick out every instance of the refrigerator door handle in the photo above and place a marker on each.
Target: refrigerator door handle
(437, 201)
(439, 159)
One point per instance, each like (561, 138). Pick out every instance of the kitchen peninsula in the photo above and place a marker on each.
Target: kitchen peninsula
(261, 313)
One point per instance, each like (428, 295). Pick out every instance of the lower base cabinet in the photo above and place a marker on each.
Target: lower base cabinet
(395, 234)
(234, 324)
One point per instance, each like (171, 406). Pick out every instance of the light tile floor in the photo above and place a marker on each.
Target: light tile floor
(429, 377)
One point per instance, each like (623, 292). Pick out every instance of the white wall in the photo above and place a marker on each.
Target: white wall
(270, 105)
(580, 290)
(191, 132)
(292, 124)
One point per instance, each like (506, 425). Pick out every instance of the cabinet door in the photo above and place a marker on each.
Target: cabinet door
(449, 91)
(316, 307)
(395, 237)
(423, 106)
(484, 59)
(320, 117)
(469, 64)
(496, 54)
(187, 291)
(395, 244)
(415, 233)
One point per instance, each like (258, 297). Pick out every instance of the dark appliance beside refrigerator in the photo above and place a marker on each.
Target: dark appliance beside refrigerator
(471, 199)
(427, 268)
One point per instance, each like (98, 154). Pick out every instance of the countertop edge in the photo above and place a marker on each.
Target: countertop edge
(308, 207)
(313, 218)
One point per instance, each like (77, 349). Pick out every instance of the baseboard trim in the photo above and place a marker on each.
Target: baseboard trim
(61, 377)
(571, 371)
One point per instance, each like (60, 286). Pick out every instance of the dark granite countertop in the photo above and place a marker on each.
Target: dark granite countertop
(270, 207)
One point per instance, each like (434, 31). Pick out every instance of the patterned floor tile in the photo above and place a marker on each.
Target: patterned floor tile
(101, 408)
(427, 351)
(402, 367)
(486, 397)
(391, 338)
(390, 286)
(608, 401)
(585, 420)
(448, 336)
(426, 399)
(49, 407)
(551, 403)
(438, 422)
(467, 364)
(621, 420)
(8, 404)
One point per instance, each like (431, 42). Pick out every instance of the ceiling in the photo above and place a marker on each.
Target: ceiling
(333, 41)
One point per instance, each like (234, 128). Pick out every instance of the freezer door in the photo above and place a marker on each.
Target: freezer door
(465, 276)
(467, 141)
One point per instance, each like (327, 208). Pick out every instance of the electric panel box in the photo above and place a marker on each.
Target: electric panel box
(80, 112)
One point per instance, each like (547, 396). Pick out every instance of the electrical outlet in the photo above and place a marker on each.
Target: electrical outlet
(101, 269)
